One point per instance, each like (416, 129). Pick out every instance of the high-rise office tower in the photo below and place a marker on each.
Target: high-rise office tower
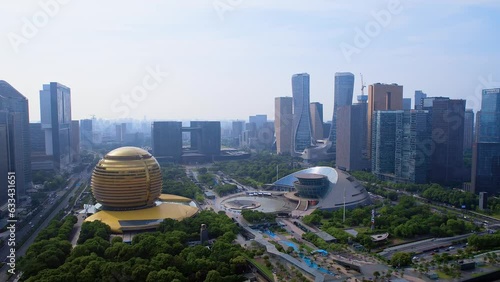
(384, 142)
(447, 121)
(86, 133)
(237, 128)
(468, 130)
(15, 147)
(382, 97)
(351, 144)
(166, 140)
(118, 133)
(75, 140)
(406, 103)
(301, 130)
(5, 163)
(259, 120)
(344, 87)
(486, 152)
(236, 131)
(39, 160)
(477, 127)
(55, 109)
(283, 124)
(316, 110)
(419, 95)
(206, 137)
(326, 129)
(490, 116)
(396, 148)
(37, 137)
(411, 159)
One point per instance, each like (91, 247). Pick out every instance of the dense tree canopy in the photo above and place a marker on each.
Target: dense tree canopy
(406, 219)
(484, 242)
(225, 189)
(455, 198)
(57, 229)
(155, 256)
(432, 192)
(259, 169)
(257, 216)
(51, 248)
(401, 259)
(94, 229)
(175, 181)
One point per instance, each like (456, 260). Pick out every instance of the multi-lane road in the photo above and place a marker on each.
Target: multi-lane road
(40, 221)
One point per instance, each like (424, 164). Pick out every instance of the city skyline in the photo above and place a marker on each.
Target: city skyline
(201, 56)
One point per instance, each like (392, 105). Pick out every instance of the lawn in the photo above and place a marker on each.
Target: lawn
(443, 275)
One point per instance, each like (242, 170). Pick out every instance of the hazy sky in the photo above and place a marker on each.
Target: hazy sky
(228, 59)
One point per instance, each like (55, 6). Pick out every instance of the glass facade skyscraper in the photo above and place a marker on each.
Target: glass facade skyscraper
(384, 142)
(344, 87)
(397, 152)
(86, 133)
(55, 109)
(419, 95)
(166, 139)
(382, 97)
(490, 116)
(15, 147)
(447, 120)
(486, 152)
(468, 130)
(302, 128)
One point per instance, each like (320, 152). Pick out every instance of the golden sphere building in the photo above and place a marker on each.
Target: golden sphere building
(127, 178)
(127, 185)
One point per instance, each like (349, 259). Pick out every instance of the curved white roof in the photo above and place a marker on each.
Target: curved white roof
(343, 188)
(324, 170)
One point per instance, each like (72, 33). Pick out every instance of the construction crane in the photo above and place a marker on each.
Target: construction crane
(362, 98)
(362, 85)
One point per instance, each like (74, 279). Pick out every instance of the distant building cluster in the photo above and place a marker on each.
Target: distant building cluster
(167, 143)
(383, 134)
(257, 133)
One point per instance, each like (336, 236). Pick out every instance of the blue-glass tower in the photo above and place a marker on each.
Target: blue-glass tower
(486, 152)
(344, 87)
(302, 128)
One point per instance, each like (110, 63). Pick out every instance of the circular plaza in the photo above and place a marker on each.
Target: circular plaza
(267, 204)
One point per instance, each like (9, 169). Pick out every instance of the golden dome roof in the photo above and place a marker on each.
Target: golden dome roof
(127, 178)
